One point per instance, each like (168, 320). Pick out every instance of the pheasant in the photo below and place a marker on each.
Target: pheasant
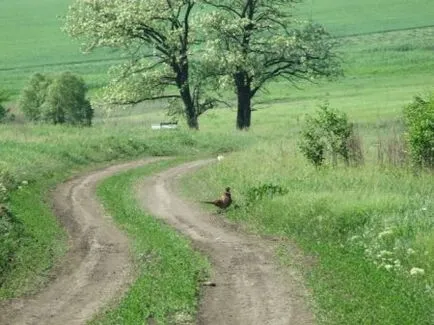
(224, 201)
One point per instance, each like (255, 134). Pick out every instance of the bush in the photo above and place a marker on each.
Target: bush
(33, 95)
(66, 101)
(4, 96)
(329, 132)
(57, 100)
(419, 120)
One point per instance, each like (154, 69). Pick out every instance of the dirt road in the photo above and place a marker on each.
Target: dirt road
(96, 268)
(250, 288)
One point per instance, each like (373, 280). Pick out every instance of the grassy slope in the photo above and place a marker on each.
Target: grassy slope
(39, 44)
(168, 270)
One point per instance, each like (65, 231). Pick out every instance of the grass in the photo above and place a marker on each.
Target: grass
(39, 45)
(354, 222)
(365, 227)
(169, 271)
(42, 156)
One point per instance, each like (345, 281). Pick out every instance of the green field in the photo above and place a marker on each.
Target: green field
(351, 222)
(31, 38)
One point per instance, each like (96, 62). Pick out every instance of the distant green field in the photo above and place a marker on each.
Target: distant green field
(31, 39)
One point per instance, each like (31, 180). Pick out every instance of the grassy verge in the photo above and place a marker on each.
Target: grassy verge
(166, 289)
(370, 230)
(35, 158)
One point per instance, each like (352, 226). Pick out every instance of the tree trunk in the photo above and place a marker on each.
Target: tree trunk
(184, 91)
(244, 101)
(190, 111)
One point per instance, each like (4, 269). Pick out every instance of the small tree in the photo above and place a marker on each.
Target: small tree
(60, 99)
(328, 131)
(4, 96)
(33, 96)
(66, 101)
(419, 120)
(256, 42)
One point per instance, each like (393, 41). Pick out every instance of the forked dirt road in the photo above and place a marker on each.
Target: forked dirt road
(250, 288)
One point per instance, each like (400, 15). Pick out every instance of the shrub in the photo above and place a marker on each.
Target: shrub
(4, 96)
(33, 96)
(11, 229)
(267, 190)
(419, 120)
(329, 132)
(66, 101)
(57, 100)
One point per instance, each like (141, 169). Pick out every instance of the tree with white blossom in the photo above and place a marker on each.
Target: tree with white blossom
(158, 37)
(254, 42)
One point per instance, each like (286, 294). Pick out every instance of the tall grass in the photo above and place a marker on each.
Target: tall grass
(370, 230)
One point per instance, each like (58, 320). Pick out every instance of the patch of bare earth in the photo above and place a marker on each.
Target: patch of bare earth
(97, 267)
(250, 288)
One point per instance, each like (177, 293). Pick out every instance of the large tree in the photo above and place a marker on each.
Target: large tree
(157, 35)
(258, 41)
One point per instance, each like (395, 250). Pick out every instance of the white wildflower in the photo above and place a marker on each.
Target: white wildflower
(417, 271)
(424, 209)
(411, 251)
(388, 267)
(220, 157)
(24, 182)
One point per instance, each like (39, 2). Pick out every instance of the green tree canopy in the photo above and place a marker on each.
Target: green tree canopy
(254, 42)
(59, 99)
(159, 39)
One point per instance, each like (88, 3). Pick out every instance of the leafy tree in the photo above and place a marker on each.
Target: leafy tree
(4, 96)
(258, 41)
(60, 99)
(33, 95)
(157, 35)
(419, 120)
(66, 101)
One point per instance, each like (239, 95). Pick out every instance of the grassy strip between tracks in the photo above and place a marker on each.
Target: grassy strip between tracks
(169, 271)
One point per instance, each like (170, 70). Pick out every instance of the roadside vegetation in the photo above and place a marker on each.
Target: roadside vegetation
(365, 224)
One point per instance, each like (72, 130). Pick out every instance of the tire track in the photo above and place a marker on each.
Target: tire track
(97, 267)
(250, 288)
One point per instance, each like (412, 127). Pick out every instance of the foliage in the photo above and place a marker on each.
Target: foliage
(419, 119)
(66, 101)
(328, 131)
(59, 99)
(257, 42)
(156, 35)
(11, 232)
(4, 96)
(33, 95)
(267, 190)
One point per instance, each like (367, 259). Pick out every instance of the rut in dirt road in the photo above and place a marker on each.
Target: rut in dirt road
(97, 267)
(250, 288)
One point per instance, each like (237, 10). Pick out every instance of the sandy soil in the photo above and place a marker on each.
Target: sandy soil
(250, 288)
(97, 267)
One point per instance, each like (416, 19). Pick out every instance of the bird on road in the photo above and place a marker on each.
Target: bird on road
(224, 201)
